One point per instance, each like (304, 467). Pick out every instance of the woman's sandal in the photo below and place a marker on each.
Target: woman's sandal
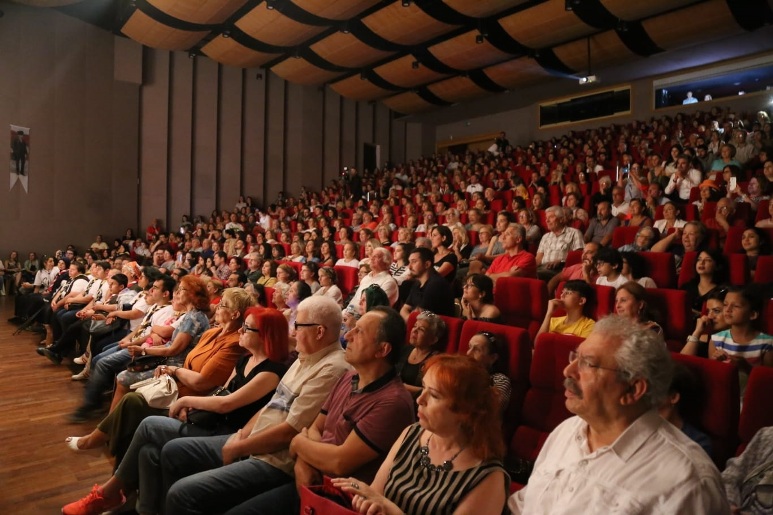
(72, 443)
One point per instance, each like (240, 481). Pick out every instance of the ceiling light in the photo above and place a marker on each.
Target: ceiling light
(415, 65)
(192, 54)
(569, 5)
(270, 5)
(362, 76)
(297, 54)
(588, 79)
(345, 28)
(406, 3)
(479, 39)
(226, 33)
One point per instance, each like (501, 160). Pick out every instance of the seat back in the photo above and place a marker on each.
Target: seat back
(662, 266)
(544, 404)
(739, 269)
(347, 279)
(450, 342)
(717, 413)
(518, 366)
(733, 241)
(522, 302)
(764, 270)
(687, 272)
(756, 412)
(269, 297)
(675, 315)
(623, 236)
(573, 257)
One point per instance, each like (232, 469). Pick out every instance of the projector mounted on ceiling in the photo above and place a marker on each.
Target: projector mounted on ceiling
(588, 79)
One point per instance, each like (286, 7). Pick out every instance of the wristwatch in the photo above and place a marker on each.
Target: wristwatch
(143, 352)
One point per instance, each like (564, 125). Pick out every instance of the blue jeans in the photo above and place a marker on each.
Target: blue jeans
(104, 368)
(201, 484)
(282, 500)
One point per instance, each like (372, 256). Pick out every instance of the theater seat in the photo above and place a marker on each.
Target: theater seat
(519, 362)
(764, 271)
(574, 257)
(717, 415)
(522, 301)
(662, 267)
(543, 406)
(756, 412)
(687, 272)
(269, 296)
(675, 315)
(623, 236)
(347, 279)
(450, 342)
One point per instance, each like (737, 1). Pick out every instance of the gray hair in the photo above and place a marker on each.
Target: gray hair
(383, 252)
(558, 211)
(423, 241)
(642, 355)
(325, 311)
(519, 230)
(434, 323)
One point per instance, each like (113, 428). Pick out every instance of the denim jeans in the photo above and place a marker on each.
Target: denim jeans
(104, 368)
(201, 484)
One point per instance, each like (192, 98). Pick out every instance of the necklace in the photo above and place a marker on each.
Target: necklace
(425, 462)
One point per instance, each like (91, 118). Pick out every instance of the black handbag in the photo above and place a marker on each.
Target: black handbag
(208, 419)
(145, 363)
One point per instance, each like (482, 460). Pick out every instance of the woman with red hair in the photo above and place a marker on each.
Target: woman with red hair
(450, 461)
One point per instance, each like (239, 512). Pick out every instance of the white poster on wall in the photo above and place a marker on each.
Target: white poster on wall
(20, 156)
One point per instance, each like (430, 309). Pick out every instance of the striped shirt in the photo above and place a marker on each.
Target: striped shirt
(751, 352)
(417, 491)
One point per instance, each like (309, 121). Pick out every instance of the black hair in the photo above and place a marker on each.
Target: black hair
(391, 329)
(424, 254)
(121, 279)
(609, 255)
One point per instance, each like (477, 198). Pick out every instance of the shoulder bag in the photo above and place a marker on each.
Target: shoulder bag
(159, 392)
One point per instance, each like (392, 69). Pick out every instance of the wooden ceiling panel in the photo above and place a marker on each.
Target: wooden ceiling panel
(400, 73)
(231, 53)
(142, 28)
(358, 89)
(627, 10)
(463, 53)
(407, 103)
(457, 89)
(405, 25)
(270, 26)
(703, 22)
(517, 73)
(346, 50)
(544, 25)
(199, 11)
(606, 50)
(303, 72)
(335, 9)
(482, 8)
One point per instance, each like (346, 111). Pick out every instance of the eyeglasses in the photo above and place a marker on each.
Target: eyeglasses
(248, 329)
(583, 363)
(224, 306)
(296, 325)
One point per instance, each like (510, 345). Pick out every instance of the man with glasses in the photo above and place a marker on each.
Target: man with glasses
(617, 454)
(213, 474)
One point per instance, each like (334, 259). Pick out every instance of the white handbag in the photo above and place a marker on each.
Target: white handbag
(159, 392)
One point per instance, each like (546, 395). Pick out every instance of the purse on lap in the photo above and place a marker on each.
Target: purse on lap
(325, 499)
(145, 363)
(208, 419)
(159, 392)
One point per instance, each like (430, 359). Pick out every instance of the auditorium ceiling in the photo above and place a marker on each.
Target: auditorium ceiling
(416, 56)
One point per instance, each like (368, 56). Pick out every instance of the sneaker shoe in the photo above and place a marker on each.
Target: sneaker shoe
(80, 360)
(81, 376)
(93, 503)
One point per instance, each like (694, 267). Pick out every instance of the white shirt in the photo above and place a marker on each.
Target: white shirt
(622, 209)
(621, 280)
(383, 279)
(651, 468)
(474, 188)
(683, 186)
(660, 225)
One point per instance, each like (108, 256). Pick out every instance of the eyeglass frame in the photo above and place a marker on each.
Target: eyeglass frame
(582, 362)
(296, 325)
(247, 329)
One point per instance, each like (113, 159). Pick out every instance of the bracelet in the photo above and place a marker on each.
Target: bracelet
(693, 339)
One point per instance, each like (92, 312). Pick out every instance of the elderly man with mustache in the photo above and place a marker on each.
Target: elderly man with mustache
(618, 455)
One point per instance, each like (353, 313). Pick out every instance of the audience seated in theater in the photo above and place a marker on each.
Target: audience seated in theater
(556, 244)
(609, 265)
(743, 344)
(706, 325)
(603, 225)
(379, 274)
(576, 297)
(250, 386)
(615, 382)
(420, 472)
(491, 351)
(429, 291)
(635, 269)
(445, 261)
(328, 280)
(684, 396)
(670, 219)
(690, 238)
(684, 179)
(632, 302)
(711, 274)
(477, 301)
(637, 214)
(585, 270)
(515, 261)
(426, 333)
(755, 243)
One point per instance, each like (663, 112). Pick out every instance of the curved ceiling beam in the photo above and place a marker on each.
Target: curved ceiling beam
(176, 23)
(367, 36)
(426, 58)
(483, 81)
(445, 14)
(752, 14)
(379, 81)
(295, 13)
(432, 98)
(503, 41)
(637, 40)
(593, 13)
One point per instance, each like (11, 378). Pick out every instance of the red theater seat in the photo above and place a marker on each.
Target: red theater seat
(717, 415)
(522, 302)
(543, 406)
(764, 271)
(347, 279)
(269, 297)
(623, 236)
(662, 267)
(675, 315)
(757, 412)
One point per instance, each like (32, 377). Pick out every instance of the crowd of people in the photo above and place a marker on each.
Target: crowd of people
(325, 380)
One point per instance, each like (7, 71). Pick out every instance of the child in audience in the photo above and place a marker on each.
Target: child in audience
(575, 298)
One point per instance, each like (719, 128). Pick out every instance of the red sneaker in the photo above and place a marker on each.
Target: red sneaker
(93, 504)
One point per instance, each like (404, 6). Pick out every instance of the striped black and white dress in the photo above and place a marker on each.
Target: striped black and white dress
(418, 491)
